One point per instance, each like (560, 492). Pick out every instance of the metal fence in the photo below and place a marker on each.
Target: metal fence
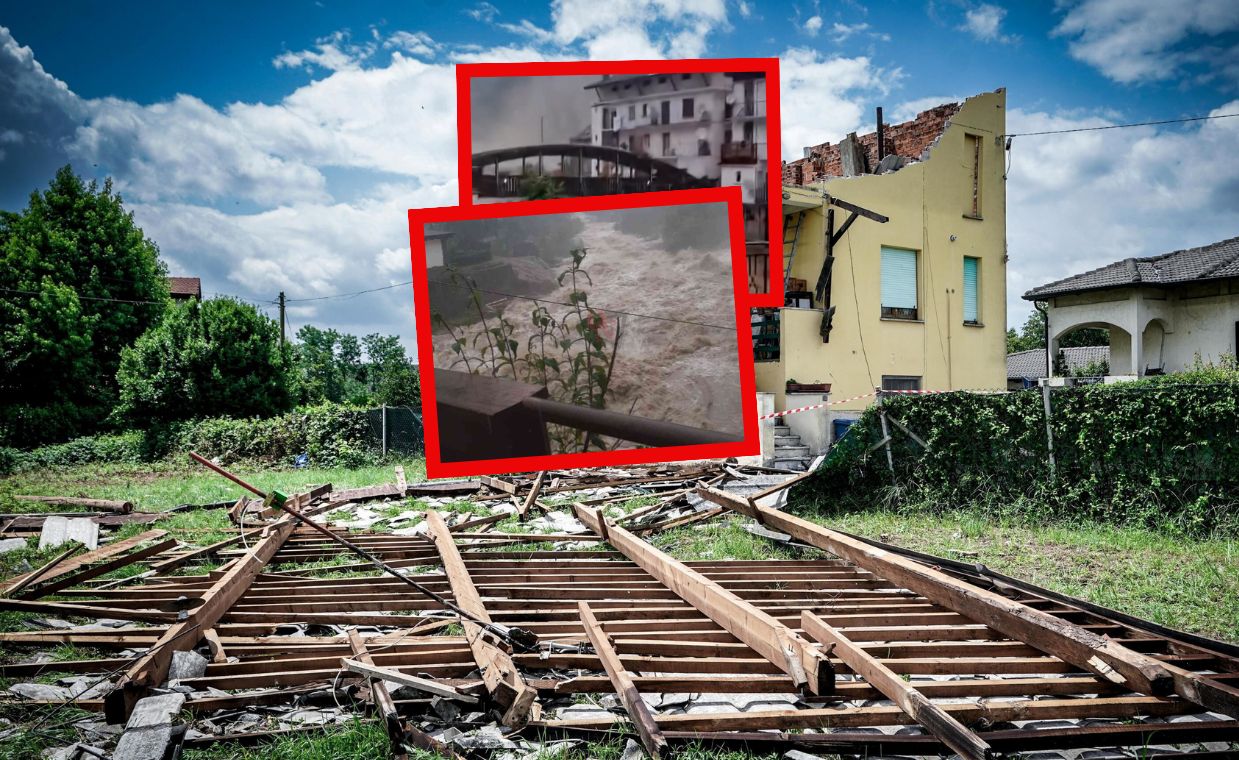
(396, 429)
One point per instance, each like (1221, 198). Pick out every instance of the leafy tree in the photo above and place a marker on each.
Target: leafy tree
(393, 378)
(79, 281)
(331, 367)
(218, 358)
(536, 187)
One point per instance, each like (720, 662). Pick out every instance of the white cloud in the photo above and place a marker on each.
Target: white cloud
(985, 23)
(907, 110)
(335, 52)
(637, 28)
(482, 12)
(1108, 194)
(813, 26)
(823, 97)
(840, 32)
(418, 44)
(746, 10)
(1134, 41)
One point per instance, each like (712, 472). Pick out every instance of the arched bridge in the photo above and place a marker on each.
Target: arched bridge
(584, 170)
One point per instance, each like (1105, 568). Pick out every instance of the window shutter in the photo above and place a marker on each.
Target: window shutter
(898, 278)
(971, 310)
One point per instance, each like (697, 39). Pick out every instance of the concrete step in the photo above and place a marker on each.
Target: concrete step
(791, 464)
(787, 440)
(788, 452)
(782, 430)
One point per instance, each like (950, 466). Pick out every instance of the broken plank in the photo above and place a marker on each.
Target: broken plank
(107, 505)
(1060, 638)
(103, 552)
(151, 669)
(503, 681)
(498, 485)
(421, 684)
(906, 697)
(778, 644)
(172, 563)
(95, 570)
(522, 511)
(638, 710)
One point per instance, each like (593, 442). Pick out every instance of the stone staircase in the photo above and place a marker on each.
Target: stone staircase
(789, 452)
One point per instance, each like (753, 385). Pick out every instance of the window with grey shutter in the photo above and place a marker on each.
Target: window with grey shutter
(972, 307)
(898, 286)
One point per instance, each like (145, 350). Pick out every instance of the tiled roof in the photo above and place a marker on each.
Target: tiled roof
(1209, 262)
(185, 286)
(1031, 363)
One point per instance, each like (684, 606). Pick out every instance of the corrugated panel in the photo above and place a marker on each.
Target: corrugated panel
(898, 278)
(971, 308)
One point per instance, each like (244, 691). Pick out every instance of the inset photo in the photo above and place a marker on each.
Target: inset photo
(539, 131)
(583, 332)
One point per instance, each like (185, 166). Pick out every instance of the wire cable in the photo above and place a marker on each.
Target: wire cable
(1123, 126)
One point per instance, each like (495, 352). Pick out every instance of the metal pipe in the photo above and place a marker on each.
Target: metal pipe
(626, 427)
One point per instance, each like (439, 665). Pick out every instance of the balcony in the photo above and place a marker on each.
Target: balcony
(751, 110)
(483, 417)
(758, 255)
(766, 338)
(740, 153)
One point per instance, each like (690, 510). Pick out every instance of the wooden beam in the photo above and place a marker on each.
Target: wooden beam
(103, 552)
(1054, 636)
(638, 711)
(123, 507)
(152, 669)
(778, 644)
(498, 485)
(426, 685)
(940, 724)
(523, 510)
(172, 563)
(94, 571)
(852, 207)
(503, 681)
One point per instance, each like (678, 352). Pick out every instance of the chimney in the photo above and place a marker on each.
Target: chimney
(881, 137)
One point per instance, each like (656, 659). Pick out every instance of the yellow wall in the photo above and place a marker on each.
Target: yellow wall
(926, 203)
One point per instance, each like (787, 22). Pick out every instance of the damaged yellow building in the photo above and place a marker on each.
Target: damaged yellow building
(915, 302)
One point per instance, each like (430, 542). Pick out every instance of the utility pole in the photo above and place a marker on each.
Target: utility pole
(281, 317)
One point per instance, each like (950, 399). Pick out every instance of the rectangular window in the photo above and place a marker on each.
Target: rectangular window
(972, 145)
(972, 307)
(901, 382)
(645, 142)
(645, 109)
(632, 111)
(666, 143)
(898, 284)
(607, 115)
(665, 107)
(686, 109)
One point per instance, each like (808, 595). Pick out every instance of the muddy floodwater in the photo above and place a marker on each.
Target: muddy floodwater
(684, 367)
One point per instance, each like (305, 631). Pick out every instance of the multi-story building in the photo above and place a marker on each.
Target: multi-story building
(712, 125)
(917, 302)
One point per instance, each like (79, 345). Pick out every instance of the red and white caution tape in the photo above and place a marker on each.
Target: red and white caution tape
(870, 394)
(816, 406)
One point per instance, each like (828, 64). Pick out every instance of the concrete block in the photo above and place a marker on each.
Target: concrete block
(188, 664)
(145, 743)
(157, 710)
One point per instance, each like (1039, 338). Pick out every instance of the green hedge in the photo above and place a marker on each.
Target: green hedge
(332, 435)
(1159, 452)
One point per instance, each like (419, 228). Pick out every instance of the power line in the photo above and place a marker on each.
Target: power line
(573, 305)
(82, 297)
(348, 295)
(1123, 126)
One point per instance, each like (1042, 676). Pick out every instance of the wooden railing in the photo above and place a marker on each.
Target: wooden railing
(483, 417)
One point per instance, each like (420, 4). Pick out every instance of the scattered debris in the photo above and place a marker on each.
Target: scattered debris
(530, 636)
(58, 531)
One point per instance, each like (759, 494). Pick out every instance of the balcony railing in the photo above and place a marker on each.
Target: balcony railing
(766, 334)
(483, 417)
(740, 153)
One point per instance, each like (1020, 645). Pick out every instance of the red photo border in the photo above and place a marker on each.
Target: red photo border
(774, 175)
(749, 445)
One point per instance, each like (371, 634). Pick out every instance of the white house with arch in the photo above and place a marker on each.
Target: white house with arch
(1162, 311)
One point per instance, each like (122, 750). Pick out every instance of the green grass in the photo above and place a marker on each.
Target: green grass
(354, 741)
(1186, 583)
(722, 538)
(160, 485)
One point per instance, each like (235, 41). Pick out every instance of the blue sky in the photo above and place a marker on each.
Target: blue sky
(272, 148)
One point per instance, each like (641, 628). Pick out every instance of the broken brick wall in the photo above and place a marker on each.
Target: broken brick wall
(909, 139)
